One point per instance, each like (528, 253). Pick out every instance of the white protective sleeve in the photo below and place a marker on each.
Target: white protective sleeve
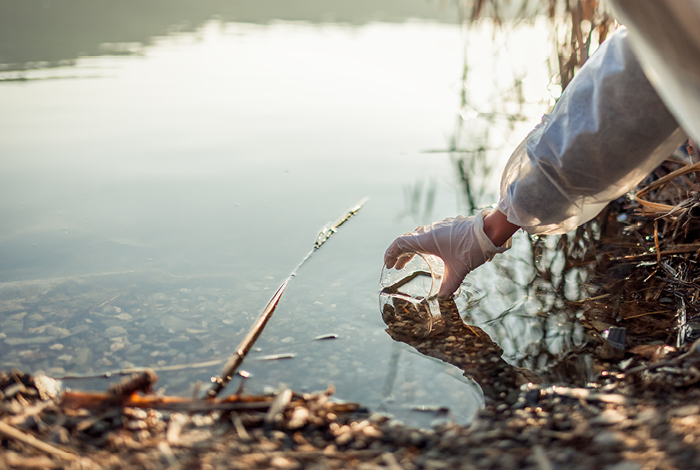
(607, 132)
(665, 36)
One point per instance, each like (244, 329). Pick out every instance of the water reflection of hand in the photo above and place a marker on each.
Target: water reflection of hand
(460, 242)
(448, 338)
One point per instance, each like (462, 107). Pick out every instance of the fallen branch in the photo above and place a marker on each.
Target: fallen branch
(76, 400)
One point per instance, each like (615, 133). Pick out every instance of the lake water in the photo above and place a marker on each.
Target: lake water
(158, 182)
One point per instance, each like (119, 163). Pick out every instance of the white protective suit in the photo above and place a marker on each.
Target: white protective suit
(665, 35)
(616, 121)
(612, 126)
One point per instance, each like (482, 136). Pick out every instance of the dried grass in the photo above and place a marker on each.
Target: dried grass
(650, 246)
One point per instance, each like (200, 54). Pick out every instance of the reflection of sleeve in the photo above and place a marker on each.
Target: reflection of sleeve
(606, 133)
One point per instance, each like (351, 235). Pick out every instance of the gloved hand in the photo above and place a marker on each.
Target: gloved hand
(460, 242)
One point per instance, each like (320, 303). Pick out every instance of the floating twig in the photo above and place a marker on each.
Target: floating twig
(246, 345)
(109, 300)
(132, 370)
(244, 348)
(275, 357)
(326, 337)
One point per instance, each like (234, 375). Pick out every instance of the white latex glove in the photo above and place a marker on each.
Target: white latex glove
(460, 242)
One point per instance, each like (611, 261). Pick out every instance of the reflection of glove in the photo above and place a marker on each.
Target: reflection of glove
(460, 242)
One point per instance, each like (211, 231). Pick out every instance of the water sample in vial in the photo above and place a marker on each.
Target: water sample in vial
(419, 279)
(410, 294)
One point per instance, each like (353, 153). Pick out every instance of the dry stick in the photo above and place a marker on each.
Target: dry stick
(246, 345)
(672, 250)
(344, 454)
(661, 181)
(647, 313)
(131, 370)
(259, 403)
(30, 440)
(656, 241)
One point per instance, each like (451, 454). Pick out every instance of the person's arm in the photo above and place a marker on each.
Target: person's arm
(608, 131)
(498, 229)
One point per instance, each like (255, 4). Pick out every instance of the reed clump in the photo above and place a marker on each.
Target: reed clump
(649, 246)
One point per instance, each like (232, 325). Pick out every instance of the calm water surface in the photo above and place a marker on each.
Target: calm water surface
(152, 202)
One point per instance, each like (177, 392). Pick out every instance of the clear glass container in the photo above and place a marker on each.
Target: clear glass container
(419, 279)
(410, 293)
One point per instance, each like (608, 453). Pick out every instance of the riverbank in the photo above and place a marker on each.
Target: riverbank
(634, 421)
